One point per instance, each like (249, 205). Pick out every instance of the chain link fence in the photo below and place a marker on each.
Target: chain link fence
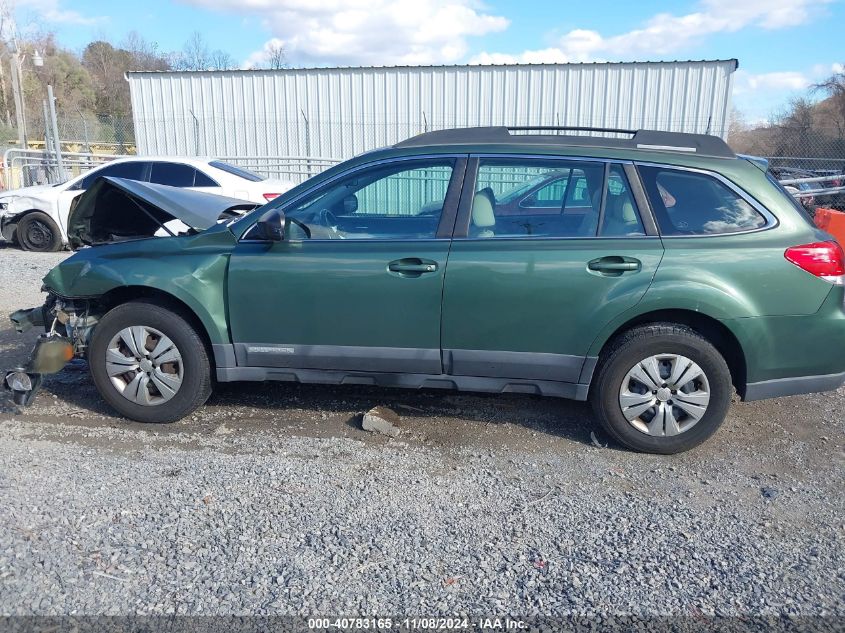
(85, 140)
(809, 148)
(78, 131)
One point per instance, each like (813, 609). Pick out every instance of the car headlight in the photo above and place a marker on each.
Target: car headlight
(19, 381)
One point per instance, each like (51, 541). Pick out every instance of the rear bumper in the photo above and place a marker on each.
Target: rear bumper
(781, 387)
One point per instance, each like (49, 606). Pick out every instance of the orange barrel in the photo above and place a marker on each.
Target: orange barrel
(833, 222)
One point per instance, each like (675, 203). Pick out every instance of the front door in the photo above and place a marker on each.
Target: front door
(357, 282)
(526, 293)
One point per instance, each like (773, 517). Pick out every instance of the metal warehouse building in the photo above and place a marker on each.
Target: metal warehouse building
(339, 112)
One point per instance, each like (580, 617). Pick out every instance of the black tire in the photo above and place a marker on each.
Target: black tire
(639, 344)
(37, 232)
(196, 381)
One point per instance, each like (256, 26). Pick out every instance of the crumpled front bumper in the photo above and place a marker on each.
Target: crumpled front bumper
(51, 353)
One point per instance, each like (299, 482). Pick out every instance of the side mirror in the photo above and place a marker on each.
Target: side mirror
(272, 225)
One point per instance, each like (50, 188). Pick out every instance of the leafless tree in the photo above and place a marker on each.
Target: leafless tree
(221, 60)
(196, 55)
(276, 56)
(834, 88)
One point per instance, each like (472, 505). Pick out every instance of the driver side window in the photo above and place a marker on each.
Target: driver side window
(402, 200)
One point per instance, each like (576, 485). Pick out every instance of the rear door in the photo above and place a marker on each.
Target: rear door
(525, 297)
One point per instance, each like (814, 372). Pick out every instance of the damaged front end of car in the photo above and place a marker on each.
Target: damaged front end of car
(68, 325)
(133, 239)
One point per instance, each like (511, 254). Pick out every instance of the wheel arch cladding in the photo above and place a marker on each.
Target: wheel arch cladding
(715, 331)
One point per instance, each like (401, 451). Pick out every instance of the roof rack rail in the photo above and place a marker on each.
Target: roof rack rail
(568, 128)
(648, 140)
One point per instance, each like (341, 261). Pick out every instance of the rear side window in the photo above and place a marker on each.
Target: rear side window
(691, 203)
(201, 180)
(172, 174)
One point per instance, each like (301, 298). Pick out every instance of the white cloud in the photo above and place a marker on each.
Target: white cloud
(51, 11)
(543, 56)
(759, 95)
(784, 81)
(666, 33)
(371, 32)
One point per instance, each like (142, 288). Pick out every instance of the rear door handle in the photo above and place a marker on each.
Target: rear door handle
(412, 266)
(614, 265)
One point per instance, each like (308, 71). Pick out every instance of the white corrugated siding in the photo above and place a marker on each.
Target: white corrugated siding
(340, 112)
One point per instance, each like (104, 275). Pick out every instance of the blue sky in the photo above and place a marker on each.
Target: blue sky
(782, 45)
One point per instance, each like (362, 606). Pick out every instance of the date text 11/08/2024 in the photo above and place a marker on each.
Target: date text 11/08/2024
(430, 624)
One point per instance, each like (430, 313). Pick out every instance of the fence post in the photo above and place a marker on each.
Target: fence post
(307, 143)
(48, 145)
(196, 133)
(56, 141)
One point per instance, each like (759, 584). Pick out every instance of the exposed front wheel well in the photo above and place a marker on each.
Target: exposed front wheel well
(719, 336)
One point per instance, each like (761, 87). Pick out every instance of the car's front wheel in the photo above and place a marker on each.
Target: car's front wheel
(661, 388)
(37, 232)
(149, 363)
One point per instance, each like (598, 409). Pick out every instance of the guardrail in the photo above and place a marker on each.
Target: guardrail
(815, 193)
(798, 181)
(24, 167)
(292, 167)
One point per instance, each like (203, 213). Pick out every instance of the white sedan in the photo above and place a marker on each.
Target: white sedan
(36, 217)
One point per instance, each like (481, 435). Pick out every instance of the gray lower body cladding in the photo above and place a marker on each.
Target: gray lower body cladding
(555, 375)
(410, 381)
(782, 387)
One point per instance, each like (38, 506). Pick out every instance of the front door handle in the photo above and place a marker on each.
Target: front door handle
(412, 267)
(614, 265)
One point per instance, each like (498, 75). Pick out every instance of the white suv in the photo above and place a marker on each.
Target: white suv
(36, 217)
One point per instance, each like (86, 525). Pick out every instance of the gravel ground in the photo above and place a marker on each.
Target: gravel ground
(272, 500)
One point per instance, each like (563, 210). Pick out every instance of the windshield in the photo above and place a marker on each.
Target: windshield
(237, 171)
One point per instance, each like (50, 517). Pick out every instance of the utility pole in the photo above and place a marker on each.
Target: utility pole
(20, 115)
(57, 144)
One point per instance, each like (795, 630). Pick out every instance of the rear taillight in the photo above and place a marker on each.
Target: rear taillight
(822, 259)
(271, 196)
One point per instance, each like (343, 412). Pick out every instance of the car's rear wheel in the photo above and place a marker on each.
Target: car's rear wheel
(661, 388)
(149, 363)
(37, 232)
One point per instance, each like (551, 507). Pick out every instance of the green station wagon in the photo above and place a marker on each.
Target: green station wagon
(652, 273)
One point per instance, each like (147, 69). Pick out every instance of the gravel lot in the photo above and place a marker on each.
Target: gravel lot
(272, 500)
